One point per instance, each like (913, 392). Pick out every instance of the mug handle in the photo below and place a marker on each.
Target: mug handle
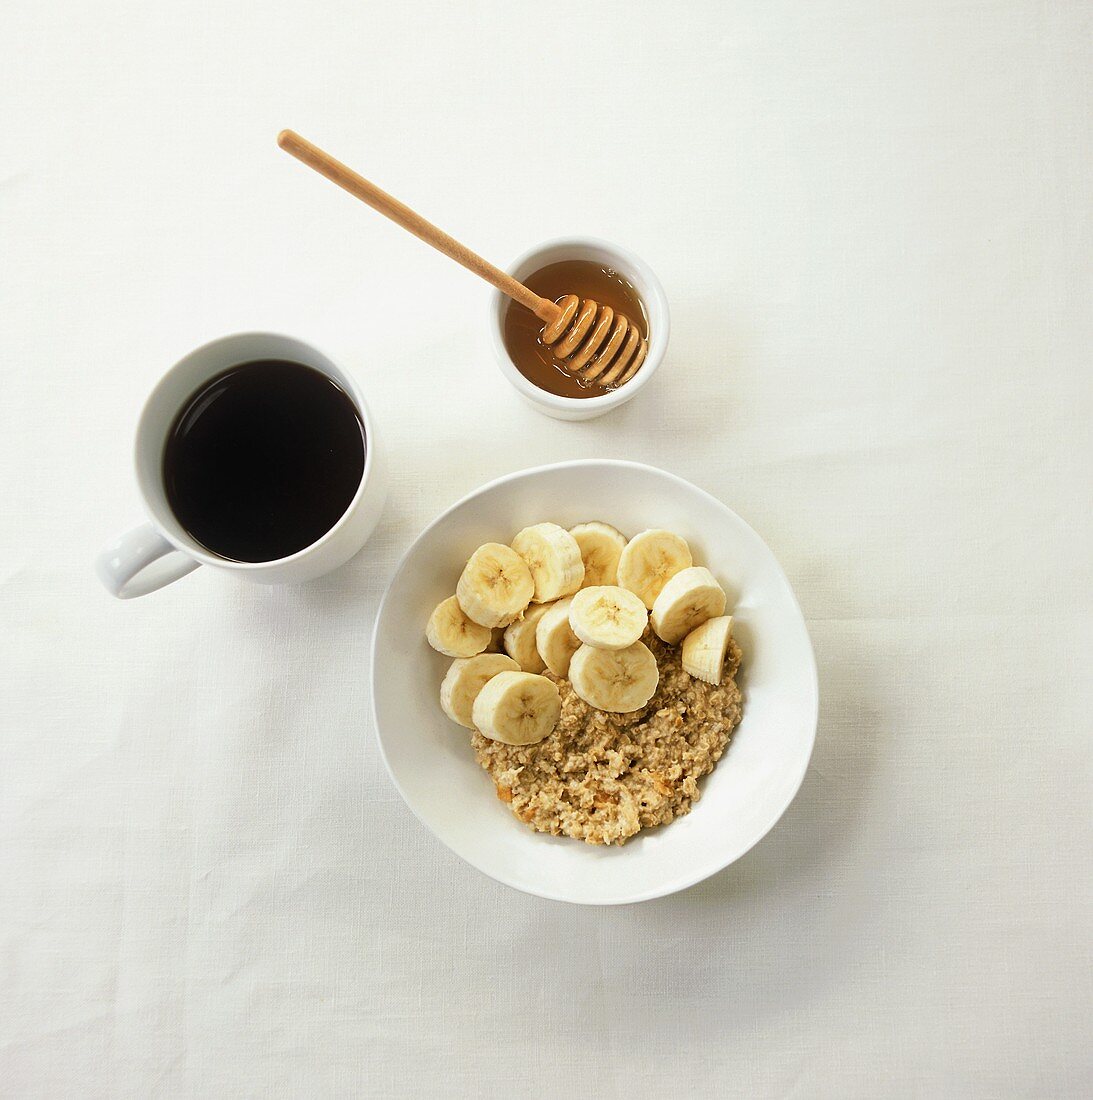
(123, 565)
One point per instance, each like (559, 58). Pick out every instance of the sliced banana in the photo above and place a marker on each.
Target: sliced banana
(466, 678)
(519, 638)
(518, 708)
(554, 558)
(495, 585)
(450, 632)
(607, 617)
(601, 546)
(554, 638)
(616, 680)
(705, 647)
(690, 598)
(650, 560)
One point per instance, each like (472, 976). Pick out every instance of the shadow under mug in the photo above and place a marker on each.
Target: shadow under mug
(161, 551)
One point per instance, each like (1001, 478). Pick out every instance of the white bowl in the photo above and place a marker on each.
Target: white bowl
(430, 758)
(641, 277)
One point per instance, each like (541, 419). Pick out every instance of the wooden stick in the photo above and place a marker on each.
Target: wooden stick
(390, 207)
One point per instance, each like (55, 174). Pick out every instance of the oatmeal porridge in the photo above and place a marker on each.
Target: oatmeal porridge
(601, 777)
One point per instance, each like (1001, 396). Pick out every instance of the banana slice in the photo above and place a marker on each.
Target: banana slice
(495, 586)
(650, 560)
(519, 639)
(600, 545)
(686, 601)
(554, 558)
(607, 617)
(518, 708)
(705, 647)
(554, 638)
(616, 680)
(466, 678)
(497, 640)
(450, 632)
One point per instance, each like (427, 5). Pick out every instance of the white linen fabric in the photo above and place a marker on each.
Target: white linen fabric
(873, 224)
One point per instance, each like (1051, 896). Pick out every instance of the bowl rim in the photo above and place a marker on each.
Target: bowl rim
(684, 881)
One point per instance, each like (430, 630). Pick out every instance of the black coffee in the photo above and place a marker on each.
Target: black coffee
(263, 460)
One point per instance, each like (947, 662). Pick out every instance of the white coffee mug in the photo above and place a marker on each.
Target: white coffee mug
(160, 551)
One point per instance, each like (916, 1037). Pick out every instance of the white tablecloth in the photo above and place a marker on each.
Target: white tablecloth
(873, 224)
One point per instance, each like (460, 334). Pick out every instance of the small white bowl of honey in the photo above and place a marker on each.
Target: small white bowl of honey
(595, 272)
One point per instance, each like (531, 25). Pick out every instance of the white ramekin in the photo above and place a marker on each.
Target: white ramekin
(626, 264)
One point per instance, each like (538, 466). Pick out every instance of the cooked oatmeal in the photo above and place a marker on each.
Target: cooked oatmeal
(601, 777)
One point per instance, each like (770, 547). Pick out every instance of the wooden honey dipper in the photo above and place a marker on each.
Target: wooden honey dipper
(588, 339)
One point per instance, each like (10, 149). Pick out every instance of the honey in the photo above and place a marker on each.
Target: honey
(522, 329)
